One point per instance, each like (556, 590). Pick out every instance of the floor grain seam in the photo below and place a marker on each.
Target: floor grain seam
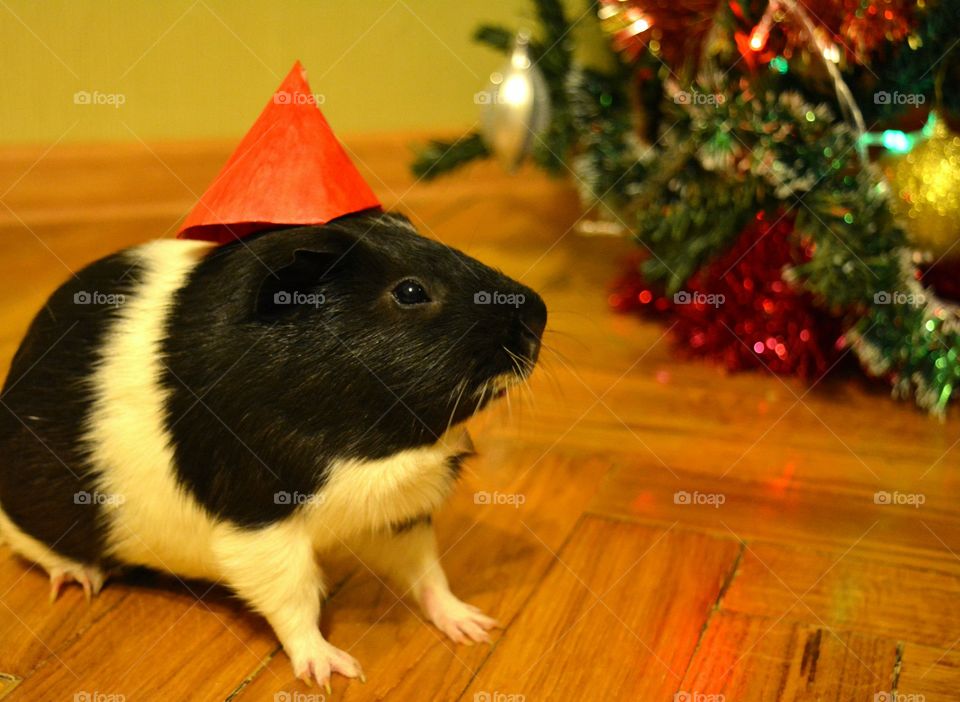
(253, 674)
(523, 605)
(922, 561)
(67, 643)
(724, 586)
(663, 524)
(897, 667)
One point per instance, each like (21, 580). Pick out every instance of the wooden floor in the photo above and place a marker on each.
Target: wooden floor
(799, 586)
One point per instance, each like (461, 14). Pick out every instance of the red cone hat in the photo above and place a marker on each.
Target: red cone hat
(288, 170)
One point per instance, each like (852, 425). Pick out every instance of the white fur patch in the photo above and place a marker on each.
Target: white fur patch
(360, 501)
(367, 496)
(150, 521)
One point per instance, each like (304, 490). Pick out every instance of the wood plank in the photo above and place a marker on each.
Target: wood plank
(494, 556)
(161, 642)
(793, 501)
(848, 591)
(930, 674)
(617, 617)
(32, 629)
(755, 659)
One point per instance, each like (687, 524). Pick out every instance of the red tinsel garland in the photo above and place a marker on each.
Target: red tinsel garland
(858, 30)
(861, 27)
(738, 309)
(675, 29)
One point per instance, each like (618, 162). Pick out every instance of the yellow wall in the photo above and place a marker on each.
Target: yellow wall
(205, 68)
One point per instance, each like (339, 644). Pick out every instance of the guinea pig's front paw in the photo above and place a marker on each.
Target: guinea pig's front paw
(462, 622)
(318, 659)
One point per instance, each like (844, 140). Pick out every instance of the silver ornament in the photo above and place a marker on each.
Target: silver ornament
(516, 106)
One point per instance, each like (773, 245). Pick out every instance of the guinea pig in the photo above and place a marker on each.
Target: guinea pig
(234, 412)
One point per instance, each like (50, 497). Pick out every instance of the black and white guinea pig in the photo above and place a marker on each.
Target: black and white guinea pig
(230, 412)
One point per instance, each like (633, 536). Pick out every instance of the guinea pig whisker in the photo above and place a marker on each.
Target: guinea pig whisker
(483, 393)
(514, 360)
(479, 398)
(522, 365)
(526, 396)
(559, 354)
(558, 357)
(530, 397)
(550, 374)
(523, 368)
(463, 388)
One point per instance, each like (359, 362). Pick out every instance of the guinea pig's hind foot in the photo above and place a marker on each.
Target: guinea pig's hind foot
(89, 578)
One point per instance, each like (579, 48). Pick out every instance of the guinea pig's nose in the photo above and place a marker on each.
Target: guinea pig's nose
(533, 316)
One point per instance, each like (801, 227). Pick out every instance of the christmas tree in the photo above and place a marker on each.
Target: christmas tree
(787, 168)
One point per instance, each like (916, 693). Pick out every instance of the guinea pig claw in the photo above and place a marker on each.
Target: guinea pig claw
(321, 662)
(90, 579)
(461, 622)
(56, 582)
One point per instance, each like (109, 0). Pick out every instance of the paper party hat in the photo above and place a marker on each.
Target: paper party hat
(288, 170)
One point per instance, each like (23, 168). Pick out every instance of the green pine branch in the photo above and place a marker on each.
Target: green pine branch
(438, 157)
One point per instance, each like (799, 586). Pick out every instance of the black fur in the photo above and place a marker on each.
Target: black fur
(455, 462)
(45, 474)
(265, 395)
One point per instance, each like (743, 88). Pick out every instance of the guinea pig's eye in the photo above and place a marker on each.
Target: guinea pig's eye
(410, 292)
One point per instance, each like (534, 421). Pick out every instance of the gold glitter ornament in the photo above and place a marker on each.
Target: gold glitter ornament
(926, 191)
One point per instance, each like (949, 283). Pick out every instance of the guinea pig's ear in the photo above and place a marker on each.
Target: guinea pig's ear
(291, 285)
